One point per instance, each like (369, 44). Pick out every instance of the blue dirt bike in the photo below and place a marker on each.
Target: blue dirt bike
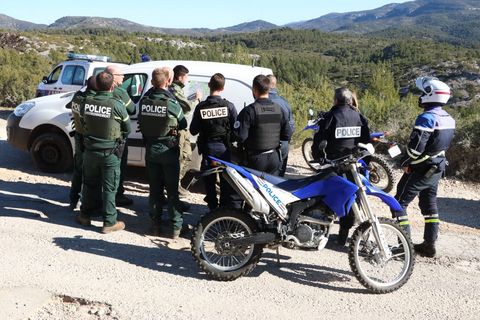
(228, 243)
(378, 171)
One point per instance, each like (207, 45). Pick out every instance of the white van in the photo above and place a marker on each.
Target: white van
(43, 125)
(72, 74)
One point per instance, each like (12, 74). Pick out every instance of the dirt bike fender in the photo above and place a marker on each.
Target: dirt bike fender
(313, 127)
(385, 197)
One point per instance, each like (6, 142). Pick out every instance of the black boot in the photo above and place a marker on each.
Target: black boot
(426, 249)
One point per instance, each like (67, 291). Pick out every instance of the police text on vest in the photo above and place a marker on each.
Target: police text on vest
(153, 110)
(348, 132)
(213, 113)
(98, 111)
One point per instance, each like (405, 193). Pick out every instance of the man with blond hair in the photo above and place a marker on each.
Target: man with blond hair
(160, 118)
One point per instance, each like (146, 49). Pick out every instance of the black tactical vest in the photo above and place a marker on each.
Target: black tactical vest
(215, 123)
(267, 129)
(154, 119)
(99, 119)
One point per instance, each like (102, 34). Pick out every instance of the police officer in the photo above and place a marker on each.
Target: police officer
(425, 162)
(287, 113)
(213, 120)
(121, 94)
(180, 79)
(75, 104)
(106, 123)
(259, 128)
(160, 118)
(343, 127)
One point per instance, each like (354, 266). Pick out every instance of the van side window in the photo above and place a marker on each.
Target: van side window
(73, 75)
(134, 84)
(79, 76)
(97, 71)
(54, 75)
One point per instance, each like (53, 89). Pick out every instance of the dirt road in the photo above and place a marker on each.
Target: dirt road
(51, 268)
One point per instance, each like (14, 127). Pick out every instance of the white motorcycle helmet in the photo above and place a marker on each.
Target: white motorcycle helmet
(434, 91)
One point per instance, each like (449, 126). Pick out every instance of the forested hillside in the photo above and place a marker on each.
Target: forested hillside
(309, 64)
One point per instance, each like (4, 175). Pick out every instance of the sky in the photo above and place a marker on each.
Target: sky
(187, 13)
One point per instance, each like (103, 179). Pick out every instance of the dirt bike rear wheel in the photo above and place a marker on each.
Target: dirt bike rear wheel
(370, 269)
(381, 174)
(307, 153)
(212, 250)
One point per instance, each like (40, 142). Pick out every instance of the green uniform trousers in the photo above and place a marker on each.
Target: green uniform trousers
(185, 154)
(123, 170)
(163, 172)
(76, 186)
(101, 174)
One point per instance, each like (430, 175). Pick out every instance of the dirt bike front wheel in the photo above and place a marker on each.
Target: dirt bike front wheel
(375, 272)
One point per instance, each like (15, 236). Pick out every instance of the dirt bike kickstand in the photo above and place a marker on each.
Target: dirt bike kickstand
(278, 256)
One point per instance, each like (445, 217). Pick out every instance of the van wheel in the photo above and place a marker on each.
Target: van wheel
(52, 153)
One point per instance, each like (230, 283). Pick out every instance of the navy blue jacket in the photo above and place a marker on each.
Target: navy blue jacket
(286, 109)
(432, 134)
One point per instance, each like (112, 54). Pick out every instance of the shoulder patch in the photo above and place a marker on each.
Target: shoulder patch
(425, 121)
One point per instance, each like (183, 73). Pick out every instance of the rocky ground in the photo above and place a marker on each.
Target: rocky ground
(51, 268)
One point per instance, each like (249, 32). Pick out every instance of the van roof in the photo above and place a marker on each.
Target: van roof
(205, 68)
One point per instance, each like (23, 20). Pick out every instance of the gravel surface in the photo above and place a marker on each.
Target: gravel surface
(51, 268)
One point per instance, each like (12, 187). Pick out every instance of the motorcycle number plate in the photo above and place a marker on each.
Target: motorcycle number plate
(394, 151)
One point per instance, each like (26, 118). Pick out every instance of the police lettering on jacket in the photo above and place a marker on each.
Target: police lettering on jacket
(214, 113)
(154, 110)
(76, 107)
(98, 111)
(348, 132)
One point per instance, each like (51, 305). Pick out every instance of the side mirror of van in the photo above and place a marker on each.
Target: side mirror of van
(45, 79)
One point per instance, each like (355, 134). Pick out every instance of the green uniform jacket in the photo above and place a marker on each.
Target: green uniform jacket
(121, 94)
(173, 107)
(177, 89)
(75, 104)
(119, 114)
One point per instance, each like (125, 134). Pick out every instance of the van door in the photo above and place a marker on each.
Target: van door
(49, 84)
(134, 84)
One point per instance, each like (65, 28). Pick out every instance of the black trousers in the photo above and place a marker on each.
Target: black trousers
(267, 162)
(417, 183)
(228, 196)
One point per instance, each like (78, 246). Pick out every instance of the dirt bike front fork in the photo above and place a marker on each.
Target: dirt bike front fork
(363, 212)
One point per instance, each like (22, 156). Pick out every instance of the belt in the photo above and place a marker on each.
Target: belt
(427, 156)
(260, 152)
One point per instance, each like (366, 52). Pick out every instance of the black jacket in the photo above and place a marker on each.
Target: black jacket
(343, 128)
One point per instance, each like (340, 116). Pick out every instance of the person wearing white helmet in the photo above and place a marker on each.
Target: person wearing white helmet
(424, 164)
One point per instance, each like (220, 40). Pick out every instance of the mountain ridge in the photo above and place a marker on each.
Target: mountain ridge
(454, 21)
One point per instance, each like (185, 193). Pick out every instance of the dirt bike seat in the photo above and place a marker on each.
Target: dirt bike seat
(289, 184)
(269, 177)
